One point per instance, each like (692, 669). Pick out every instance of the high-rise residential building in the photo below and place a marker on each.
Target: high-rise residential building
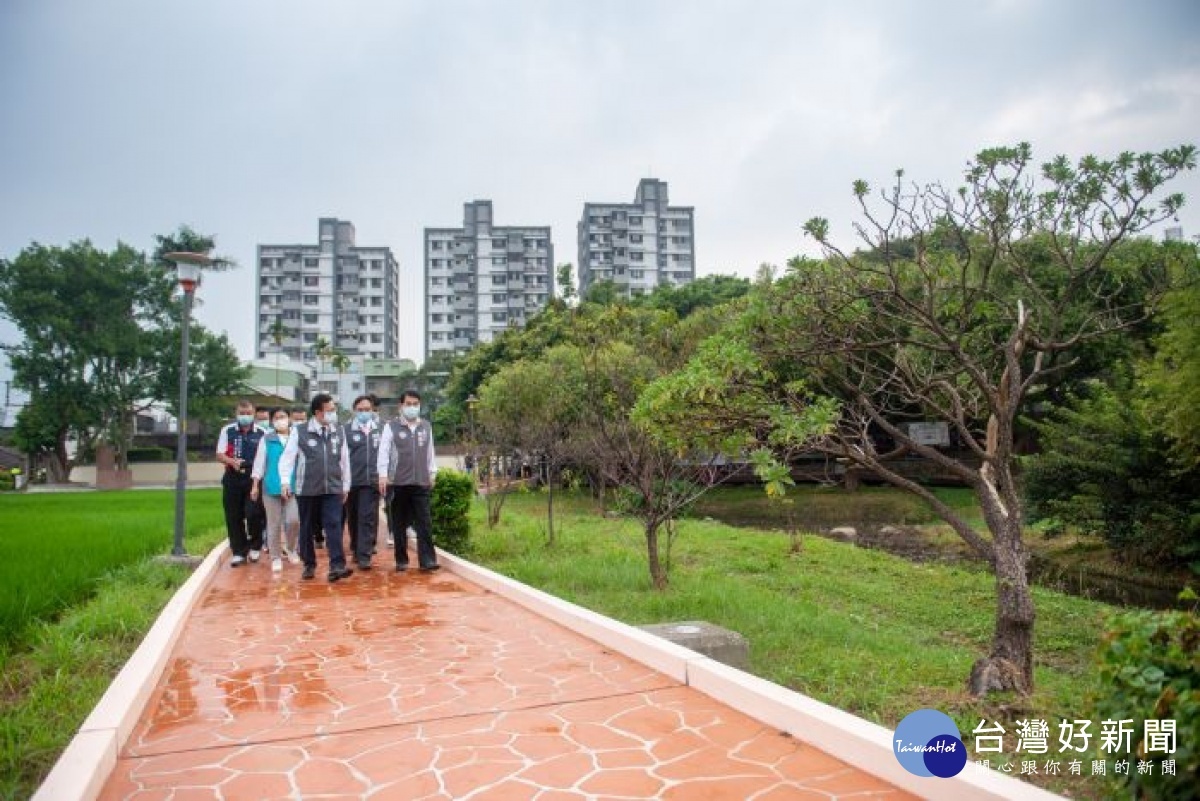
(637, 245)
(334, 290)
(482, 278)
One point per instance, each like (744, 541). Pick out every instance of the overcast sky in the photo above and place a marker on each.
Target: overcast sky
(249, 119)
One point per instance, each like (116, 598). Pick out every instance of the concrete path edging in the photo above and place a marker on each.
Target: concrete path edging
(860, 743)
(89, 759)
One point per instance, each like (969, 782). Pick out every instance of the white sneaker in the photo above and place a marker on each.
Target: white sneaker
(237, 561)
(254, 556)
(391, 542)
(276, 565)
(292, 556)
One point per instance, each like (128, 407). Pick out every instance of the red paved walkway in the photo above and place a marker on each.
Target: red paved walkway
(413, 686)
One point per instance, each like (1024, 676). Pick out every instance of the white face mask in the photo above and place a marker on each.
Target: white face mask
(282, 426)
(411, 412)
(330, 418)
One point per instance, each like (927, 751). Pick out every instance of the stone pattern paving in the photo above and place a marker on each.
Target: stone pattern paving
(424, 686)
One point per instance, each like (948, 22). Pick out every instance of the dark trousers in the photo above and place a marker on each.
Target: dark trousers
(245, 520)
(410, 507)
(317, 513)
(362, 518)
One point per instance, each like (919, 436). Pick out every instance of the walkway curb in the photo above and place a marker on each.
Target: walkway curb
(89, 759)
(860, 743)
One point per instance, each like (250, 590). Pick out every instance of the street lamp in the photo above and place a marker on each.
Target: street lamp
(187, 270)
(471, 401)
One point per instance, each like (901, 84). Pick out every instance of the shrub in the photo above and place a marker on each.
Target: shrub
(1150, 665)
(150, 453)
(450, 506)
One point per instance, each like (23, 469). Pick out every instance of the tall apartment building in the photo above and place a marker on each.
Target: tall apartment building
(348, 294)
(482, 278)
(637, 245)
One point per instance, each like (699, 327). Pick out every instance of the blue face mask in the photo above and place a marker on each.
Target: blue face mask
(245, 420)
(364, 417)
(411, 412)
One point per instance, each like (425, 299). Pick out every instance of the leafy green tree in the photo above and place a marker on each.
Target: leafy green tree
(339, 361)
(656, 483)
(186, 240)
(1104, 469)
(703, 293)
(1172, 380)
(604, 293)
(322, 349)
(214, 373)
(566, 283)
(98, 328)
(998, 280)
(90, 311)
(533, 407)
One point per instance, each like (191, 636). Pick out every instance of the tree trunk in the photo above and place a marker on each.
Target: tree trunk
(58, 463)
(1009, 665)
(550, 507)
(658, 575)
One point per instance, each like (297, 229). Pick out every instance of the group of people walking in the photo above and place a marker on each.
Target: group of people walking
(306, 481)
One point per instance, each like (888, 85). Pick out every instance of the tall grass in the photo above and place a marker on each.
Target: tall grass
(54, 547)
(76, 577)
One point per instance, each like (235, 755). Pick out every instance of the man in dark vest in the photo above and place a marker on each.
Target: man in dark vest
(362, 507)
(407, 463)
(317, 453)
(236, 448)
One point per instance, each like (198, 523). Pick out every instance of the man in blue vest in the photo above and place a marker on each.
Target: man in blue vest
(236, 448)
(317, 457)
(407, 463)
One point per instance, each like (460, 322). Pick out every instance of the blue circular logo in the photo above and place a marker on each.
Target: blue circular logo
(927, 743)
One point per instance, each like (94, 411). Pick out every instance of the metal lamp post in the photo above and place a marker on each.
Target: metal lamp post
(187, 267)
(471, 448)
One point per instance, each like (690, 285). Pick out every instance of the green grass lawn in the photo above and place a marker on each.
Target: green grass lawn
(55, 546)
(859, 629)
(79, 590)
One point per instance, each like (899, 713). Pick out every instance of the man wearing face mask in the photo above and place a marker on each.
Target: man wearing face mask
(236, 449)
(407, 463)
(317, 453)
(362, 506)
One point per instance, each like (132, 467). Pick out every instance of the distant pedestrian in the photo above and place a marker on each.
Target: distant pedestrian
(316, 458)
(362, 506)
(408, 466)
(283, 516)
(236, 449)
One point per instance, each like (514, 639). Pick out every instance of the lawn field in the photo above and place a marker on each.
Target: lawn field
(859, 629)
(55, 546)
(78, 591)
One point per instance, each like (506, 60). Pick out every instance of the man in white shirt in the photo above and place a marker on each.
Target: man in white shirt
(317, 452)
(407, 463)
